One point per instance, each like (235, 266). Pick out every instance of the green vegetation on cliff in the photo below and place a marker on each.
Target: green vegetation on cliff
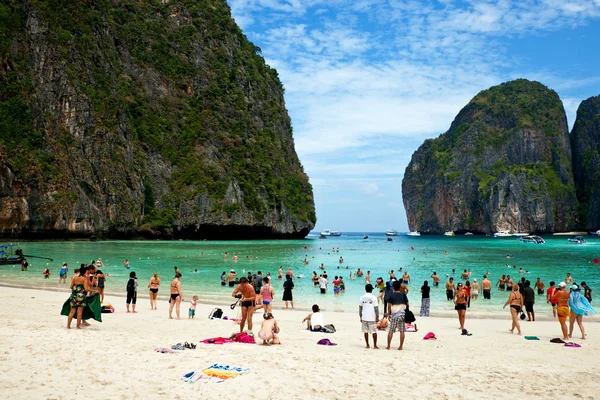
(175, 83)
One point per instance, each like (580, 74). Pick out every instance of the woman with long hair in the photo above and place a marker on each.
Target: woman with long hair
(153, 288)
(515, 300)
(176, 296)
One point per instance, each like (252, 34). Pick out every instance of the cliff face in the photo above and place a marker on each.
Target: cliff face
(585, 141)
(504, 164)
(128, 119)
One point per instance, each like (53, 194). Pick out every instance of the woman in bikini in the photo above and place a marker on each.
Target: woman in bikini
(267, 293)
(515, 300)
(176, 295)
(245, 292)
(153, 287)
(460, 304)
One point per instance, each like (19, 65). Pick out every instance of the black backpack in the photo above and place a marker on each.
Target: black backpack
(131, 285)
(215, 313)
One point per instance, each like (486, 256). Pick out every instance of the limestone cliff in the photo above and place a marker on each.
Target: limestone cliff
(142, 119)
(504, 164)
(585, 142)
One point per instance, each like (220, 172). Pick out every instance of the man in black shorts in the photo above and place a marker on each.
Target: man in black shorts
(450, 289)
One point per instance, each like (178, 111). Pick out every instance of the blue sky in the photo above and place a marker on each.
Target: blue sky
(367, 81)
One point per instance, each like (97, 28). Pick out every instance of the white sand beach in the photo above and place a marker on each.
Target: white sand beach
(41, 359)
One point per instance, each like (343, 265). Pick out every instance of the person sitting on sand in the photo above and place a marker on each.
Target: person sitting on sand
(383, 323)
(269, 330)
(314, 320)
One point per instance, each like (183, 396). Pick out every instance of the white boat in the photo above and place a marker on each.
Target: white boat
(520, 234)
(414, 234)
(597, 233)
(502, 234)
(449, 233)
(329, 232)
(391, 232)
(469, 234)
(531, 239)
(577, 239)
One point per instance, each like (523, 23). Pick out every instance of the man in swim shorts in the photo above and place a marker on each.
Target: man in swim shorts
(486, 286)
(561, 296)
(450, 289)
(539, 286)
(529, 301)
(231, 278)
(550, 293)
(436, 279)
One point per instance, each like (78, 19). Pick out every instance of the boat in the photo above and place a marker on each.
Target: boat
(9, 260)
(390, 239)
(449, 233)
(391, 232)
(322, 237)
(531, 239)
(329, 232)
(469, 234)
(414, 233)
(597, 233)
(365, 236)
(520, 234)
(577, 239)
(502, 234)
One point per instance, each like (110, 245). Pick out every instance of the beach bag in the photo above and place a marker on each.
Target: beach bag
(215, 313)
(522, 316)
(329, 328)
(409, 317)
(107, 309)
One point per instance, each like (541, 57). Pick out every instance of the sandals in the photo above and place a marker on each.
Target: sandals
(190, 346)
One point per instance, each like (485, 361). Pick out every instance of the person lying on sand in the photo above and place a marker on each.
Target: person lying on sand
(269, 330)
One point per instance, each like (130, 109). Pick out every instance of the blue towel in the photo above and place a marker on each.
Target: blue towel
(580, 304)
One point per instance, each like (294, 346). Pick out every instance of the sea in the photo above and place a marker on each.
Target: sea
(203, 262)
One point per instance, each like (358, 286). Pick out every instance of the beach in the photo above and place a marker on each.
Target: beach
(116, 359)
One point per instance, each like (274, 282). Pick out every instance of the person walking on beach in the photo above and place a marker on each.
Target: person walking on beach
(486, 286)
(450, 289)
(132, 285)
(515, 300)
(368, 311)
(475, 290)
(425, 300)
(539, 286)
(288, 286)
(176, 296)
(460, 304)
(397, 304)
(550, 298)
(80, 287)
(153, 288)
(587, 292)
(101, 279)
(62, 275)
(245, 292)
(561, 296)
(529, 301)
(267, 293)
(579, 306)
(468, 290)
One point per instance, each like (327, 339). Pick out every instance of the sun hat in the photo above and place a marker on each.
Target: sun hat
(475, 280)
(562, 284)
(232, 270)
(575, 287)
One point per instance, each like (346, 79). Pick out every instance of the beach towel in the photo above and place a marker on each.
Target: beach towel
(243, 337)
(571, 344)
(326, 342)
(430, 336)
(217, 340)
(216, 373)
(532, 338)
(92, 309)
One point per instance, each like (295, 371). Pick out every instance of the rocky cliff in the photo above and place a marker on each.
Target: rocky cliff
(585, 142)
(142, 119)
(504, 164)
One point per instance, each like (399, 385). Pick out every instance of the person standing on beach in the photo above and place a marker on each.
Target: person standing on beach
(561, 296)
(132, 285)
(153, 287)
(323, 284)
(475, 290)
(405, 278)
(397, 304)
(515, 300)
(529, 301)
(267, 294)
(587, 292)
(245, 292)
(486, 286)
(579, 307)
(192, 310)
(450, 289)
(101, 279)
(368, 311)
(467, 288)
(176, 296)
(288, 286)
(539, 286)
(550, 298)
(460, 304)
(425, 290)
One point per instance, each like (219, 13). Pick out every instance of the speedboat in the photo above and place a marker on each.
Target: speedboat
(469, 234)
(329, 232)
(391, 232)
(365, 236)
(531, 239)
(520, 234)
(414, 233)
(597, 233)
(449, 233)
(502, 234)
(577, 239)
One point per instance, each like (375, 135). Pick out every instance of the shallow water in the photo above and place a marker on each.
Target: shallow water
(550, 262)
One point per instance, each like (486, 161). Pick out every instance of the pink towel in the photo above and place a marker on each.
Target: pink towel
(217, 340)
(243, 337)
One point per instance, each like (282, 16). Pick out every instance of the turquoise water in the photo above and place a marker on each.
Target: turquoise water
(550, 262)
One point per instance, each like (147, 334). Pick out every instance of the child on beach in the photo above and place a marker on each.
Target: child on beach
(132, 285)
(269, 330)
(46, 273)
(192, 311)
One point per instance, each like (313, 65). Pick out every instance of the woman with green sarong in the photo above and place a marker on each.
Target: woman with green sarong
(78, 302)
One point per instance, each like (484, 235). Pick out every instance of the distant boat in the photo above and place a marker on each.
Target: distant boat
(577, 239)
(531, 239)
(414, 234)
(520, 234)
(365, 237)
(449, 233)
(469, 234)
(391, 232)
(502, 234)
(329, 232)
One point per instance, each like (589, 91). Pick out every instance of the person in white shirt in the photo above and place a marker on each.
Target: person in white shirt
(368, 310)
(314, 321)
(323, 283)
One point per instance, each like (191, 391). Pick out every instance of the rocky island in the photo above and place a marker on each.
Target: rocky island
(129, 119)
